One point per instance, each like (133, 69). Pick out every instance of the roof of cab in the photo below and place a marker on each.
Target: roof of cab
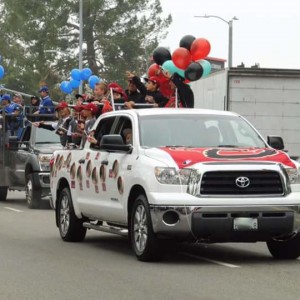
(170, 111)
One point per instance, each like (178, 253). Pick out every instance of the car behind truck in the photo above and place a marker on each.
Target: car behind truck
(188, 175)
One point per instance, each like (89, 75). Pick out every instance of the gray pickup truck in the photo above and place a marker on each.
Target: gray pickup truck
(24, 163)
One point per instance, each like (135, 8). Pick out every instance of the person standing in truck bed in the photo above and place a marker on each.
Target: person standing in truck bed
(46, 105)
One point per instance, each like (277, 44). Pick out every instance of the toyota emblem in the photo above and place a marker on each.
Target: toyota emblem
(242, 182)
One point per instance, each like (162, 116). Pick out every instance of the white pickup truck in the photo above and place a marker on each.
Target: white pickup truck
(188, 175)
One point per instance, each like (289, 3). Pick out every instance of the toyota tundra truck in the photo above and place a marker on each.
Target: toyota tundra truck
(189, 175)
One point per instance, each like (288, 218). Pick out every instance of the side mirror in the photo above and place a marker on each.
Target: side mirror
(275, 142)
(13, 142)
(114, 143)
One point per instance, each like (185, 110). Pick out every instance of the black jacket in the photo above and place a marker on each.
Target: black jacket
(159, 98)
(185, 93)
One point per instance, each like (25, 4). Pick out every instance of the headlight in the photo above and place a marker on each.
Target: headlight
(172, 175)
(294, 175)
(44, 160)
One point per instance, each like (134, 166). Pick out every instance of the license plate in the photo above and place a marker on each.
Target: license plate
(245, 224)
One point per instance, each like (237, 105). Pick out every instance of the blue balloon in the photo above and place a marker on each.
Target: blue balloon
(206, 67)
(1, 72)
(93, 80)
(76, 74)
(86, 73)
(66, 87)
(74, 84)
(171, 68)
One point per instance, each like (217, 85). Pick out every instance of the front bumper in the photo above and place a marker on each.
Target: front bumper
(42, 180)
(217, 223)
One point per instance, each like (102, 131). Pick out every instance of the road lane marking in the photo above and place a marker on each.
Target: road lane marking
(13, 209)
(210, 260)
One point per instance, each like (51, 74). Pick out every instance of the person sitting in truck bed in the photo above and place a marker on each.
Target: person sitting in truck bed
(150, 92)
(63, 126)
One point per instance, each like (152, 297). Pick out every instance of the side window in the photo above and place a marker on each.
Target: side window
(104, 127)
(124, 128)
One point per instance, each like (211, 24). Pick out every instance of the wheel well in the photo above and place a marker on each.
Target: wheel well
(135, 191)
(28, 170)
(61, 185)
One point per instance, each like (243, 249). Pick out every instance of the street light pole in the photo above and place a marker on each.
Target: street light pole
(229, 23)
(80, 39)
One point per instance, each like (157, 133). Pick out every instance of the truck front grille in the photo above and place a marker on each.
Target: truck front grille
(225, 183)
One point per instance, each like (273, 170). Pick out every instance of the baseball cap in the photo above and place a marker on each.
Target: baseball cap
(153, 79)
(78, 108)
(6, 97)
(61, 105)
(43, 89)
(91, 107)
(120, 91)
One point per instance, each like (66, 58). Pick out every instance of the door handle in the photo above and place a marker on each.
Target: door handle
(81, 161)
(104, 162)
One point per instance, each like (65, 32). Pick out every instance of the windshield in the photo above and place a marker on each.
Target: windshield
(44, 136)
(198, 131)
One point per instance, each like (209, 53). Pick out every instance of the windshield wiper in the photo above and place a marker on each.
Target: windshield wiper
(228, 146)
(179, 146)
(47, 142)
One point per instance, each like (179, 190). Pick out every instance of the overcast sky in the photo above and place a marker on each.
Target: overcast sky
(267, 32)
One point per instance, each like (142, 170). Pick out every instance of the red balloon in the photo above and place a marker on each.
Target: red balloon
(153, 70)
(200, 49)
(181, 58)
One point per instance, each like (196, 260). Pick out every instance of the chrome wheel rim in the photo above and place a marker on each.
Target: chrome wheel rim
(140, 228)
(29, 191)
(64, 214)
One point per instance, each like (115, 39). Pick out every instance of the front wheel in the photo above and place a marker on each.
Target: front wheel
(3, 193)
(143, 240)
(32, 192)
(287, 249)
(70, 227)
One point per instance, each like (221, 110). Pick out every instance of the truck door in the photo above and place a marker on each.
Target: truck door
(17, 159)
(120, 169)
(92, 172)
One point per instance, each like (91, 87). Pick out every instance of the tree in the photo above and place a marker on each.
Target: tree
(118, 35)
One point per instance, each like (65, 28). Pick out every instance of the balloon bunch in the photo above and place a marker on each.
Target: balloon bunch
(76, 77)
(2, 72)
(187, 60)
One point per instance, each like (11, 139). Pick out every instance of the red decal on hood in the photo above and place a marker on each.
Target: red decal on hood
(185, 157)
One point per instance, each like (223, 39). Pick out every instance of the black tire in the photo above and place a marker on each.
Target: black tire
(70, 227)
(143, 240)
(3, 193)
(288, 249)
(33, 193)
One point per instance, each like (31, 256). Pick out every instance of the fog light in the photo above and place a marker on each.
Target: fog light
(171, 218)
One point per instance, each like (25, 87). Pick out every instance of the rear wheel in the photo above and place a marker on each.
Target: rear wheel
(3, 193)
(70, 227)
(33, 193)
(287, 249)
(143, 240)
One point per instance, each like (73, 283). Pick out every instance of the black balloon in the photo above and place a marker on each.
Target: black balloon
(161, 54)
(187, 41)
(193, 72)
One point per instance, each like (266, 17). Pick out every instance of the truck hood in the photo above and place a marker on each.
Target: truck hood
(48, 148)
(185, 157)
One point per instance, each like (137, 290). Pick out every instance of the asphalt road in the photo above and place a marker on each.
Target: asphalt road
(36, 264)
